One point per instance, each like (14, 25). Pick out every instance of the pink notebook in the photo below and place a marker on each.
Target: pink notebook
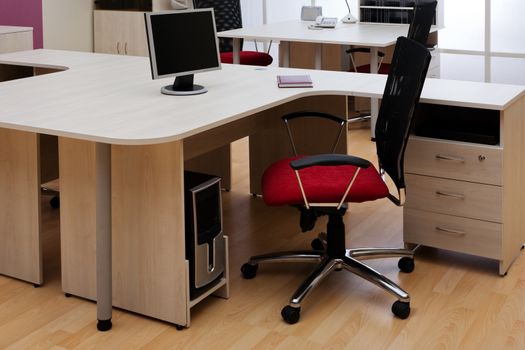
(286, 81)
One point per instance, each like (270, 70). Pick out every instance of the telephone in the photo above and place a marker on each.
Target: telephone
(325, 22)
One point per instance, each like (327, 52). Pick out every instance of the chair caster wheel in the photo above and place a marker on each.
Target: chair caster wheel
(401, 309)
(249, 271)
(179, 327)
(406, 264)
(291, 314)
(317, 244)
(55, 202)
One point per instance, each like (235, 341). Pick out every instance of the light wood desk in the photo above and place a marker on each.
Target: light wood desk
(124, 146)
(370, 35)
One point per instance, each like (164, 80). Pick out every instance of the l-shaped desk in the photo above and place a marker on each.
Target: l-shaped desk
(123, 148)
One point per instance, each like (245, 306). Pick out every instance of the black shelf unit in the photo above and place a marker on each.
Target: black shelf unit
(124, 5)
(387, 11)
(473, 125)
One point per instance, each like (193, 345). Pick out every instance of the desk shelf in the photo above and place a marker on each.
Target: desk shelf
(393, 11)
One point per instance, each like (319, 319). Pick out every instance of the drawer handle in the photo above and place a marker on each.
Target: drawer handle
(450, 231)
(450, 158)
(450, 194)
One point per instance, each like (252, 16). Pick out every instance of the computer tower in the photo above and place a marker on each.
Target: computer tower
(204, 236)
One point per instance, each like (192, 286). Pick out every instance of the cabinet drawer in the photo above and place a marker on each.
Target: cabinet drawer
(459, 198)
(463, 235)
(454, 160)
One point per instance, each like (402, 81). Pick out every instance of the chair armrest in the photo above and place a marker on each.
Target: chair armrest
(307, 114)
(329, 160)
(364, 50)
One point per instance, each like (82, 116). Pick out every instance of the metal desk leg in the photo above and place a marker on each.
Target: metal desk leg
(374, 102)
(318, 56)
(285, 47)
(236, 51)
(103, 225)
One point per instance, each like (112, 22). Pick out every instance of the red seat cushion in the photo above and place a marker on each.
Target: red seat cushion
(384, 68)
(322, 184)
(252, 58)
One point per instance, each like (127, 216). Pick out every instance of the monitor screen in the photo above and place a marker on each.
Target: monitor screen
(182, 42)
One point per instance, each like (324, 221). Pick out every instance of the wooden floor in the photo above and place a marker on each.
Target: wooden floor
(458, 301)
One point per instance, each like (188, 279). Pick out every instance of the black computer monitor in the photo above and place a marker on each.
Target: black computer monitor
(182, 43)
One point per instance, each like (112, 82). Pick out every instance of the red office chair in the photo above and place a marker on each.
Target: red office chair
(419, 30)
(228, 16)
(322, 184)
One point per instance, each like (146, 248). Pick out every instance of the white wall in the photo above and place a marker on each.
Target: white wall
(252, 13)
(68, 24)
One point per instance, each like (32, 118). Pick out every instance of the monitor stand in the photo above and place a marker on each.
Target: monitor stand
(183, 86)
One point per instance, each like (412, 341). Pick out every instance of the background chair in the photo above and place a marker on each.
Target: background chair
(419, 30)
(228, 16)
(322, 184)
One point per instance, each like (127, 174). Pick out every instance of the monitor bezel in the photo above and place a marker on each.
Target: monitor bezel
(151, 44)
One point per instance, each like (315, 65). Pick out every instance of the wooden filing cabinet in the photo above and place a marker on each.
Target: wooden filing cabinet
(462, 194)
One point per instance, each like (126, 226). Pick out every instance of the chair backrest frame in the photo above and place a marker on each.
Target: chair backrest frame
(422, 20)
(318, 115)
(400, 98)
(228, 15)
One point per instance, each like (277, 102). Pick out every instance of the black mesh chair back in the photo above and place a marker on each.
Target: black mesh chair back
(227, 16)
(403, 88)
(424, 13)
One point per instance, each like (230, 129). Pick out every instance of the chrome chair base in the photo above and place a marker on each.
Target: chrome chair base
(330, 254)
(350, 262)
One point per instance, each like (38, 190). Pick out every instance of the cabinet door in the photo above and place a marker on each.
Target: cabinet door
(120, 32)
(106, 31)
(134, 34)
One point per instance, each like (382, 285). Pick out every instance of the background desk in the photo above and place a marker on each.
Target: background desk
(106, 100)
(370, 35)
(329, 46)
(298, 44)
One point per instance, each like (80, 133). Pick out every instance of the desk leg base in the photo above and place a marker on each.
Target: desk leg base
(104, 325)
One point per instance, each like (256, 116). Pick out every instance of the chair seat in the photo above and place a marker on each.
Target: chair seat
(252, 58)
(325, 184)
(365, 68)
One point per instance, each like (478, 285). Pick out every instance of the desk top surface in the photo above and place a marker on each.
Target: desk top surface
(365, 34)
(112, 98)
